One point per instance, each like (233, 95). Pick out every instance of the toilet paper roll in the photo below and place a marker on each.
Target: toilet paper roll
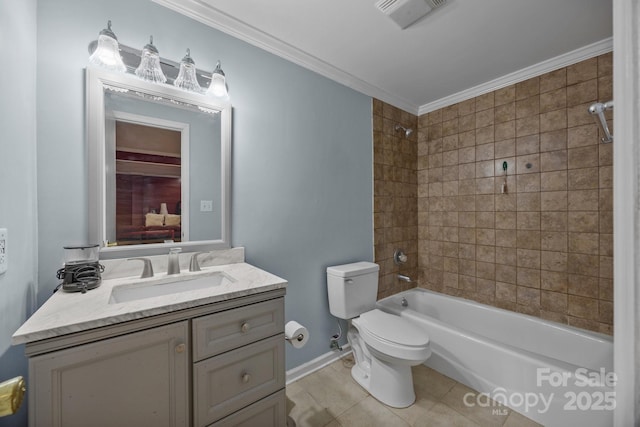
(296, 334)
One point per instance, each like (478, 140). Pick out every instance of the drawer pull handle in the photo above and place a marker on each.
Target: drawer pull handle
(180, 348)
(246, 378)
(245, 327)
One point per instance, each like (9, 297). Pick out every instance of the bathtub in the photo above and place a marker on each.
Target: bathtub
(554, 374)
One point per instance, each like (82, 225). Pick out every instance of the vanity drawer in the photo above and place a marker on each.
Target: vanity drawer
(224, 331)
(268, 412)
(226, 383)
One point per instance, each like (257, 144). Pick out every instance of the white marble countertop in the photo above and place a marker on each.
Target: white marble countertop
(66, 313)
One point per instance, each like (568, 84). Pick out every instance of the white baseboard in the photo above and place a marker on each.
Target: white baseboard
(316, 364)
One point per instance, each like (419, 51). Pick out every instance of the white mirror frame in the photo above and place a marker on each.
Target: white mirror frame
(97, 80)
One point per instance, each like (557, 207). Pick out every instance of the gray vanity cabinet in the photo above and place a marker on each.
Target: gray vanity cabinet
(138, 379)
(220, 364)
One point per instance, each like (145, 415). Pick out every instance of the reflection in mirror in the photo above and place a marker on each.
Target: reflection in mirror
(160, 162)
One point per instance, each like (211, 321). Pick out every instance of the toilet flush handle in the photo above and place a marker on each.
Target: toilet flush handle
(349, 281)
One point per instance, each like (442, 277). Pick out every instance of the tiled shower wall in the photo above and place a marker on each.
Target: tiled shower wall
(545, 246)
(395, 202)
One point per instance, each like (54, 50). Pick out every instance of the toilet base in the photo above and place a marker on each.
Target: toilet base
(391, 384)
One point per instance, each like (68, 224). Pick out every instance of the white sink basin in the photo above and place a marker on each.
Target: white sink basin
(166, 286)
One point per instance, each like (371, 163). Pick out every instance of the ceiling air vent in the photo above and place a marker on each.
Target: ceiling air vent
(406, 12)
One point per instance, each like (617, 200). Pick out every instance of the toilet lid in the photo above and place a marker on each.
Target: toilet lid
(393, 328)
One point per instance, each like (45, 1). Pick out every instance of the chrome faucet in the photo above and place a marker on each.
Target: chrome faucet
(404, 278)
(174, 261)
(403, 302)
(147, 270)
(194, 265)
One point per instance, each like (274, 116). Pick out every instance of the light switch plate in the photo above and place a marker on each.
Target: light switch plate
(206, 205)
(3, 250)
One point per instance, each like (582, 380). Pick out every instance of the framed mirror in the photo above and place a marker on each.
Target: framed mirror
(159, 167)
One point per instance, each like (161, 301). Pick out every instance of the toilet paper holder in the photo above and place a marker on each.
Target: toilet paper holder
(300, 337)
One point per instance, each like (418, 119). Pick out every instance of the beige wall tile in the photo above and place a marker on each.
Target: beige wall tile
(528, 145)
(583, 200)
(583, 92)
(553, 120)
(553, 240)
(585, 308)
(585, 286)
(554, 281)
(528, 221)
(554, 301)
(586, 222)
(506, 238)
(505, 291)
(582, 71)
(527, 126)
(553, 160)
(553, 181)
(505, 95)
(583, 179)
(506, 148)
(583, 157)
(528, 239)
(553, 100)
(528, 258)
(605, 64)
(527, 88)
(554, 200)
(547, 239)
(553, 80)
(485, 101)
(553, 140)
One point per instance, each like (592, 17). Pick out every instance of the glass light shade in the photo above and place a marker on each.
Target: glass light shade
(187, 75)
(218, 86)
(149, 68)
(107, 54)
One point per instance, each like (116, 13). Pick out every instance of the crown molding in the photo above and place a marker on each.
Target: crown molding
(207, 14)
(569, 58)
(212, 17)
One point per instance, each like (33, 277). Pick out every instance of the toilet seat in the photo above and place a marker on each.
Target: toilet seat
(392, 336)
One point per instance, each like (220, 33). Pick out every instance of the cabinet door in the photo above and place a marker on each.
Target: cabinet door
(139, 379)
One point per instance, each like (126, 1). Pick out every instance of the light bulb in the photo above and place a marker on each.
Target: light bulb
(149, 68)
(218, 86)
(187, 75)
(107, 53)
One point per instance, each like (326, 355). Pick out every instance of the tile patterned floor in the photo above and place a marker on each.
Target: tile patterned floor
(330, 397)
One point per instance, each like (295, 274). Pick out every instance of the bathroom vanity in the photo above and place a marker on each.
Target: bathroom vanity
(198, 356)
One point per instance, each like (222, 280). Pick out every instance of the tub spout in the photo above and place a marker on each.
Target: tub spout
(404, 302)
(404, 278)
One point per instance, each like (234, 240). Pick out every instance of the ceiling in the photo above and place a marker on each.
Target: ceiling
(457, 51)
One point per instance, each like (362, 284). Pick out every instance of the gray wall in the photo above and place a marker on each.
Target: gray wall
(302, 151)
(17, 176)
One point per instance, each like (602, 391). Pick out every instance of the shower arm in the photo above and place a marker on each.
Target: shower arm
(406, 131)
(598, 109)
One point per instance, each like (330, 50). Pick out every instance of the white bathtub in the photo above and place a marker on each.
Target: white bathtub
(554, 374)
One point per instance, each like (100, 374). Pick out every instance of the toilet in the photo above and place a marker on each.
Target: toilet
(385, 346)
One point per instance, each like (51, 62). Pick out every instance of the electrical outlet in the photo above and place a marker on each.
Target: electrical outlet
(206, 205)
(3, 250)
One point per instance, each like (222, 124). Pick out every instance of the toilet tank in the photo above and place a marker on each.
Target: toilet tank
(352, 288)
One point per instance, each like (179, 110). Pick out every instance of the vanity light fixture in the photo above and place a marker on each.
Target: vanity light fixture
(218, 86)
(149, 68)
(187, 75)
(107, 53)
